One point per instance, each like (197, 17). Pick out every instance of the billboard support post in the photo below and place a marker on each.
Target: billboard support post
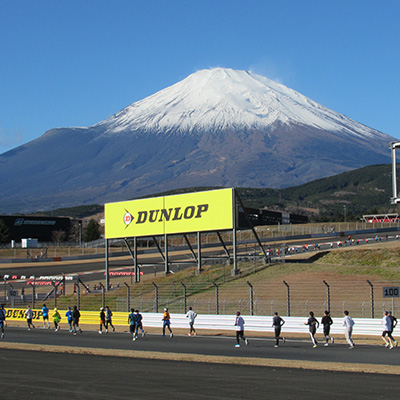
(199, 252)
(166, 263)
(234, 217)
(136, 269)
(107, 266)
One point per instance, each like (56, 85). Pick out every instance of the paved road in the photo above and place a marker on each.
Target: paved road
(293, 349)
(42, 375)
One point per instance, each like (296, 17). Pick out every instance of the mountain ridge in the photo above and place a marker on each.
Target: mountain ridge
(118, 158)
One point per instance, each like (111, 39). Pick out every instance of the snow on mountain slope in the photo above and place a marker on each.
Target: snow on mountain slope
(217, 99)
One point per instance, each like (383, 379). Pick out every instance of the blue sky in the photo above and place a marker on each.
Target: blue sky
(74, 63)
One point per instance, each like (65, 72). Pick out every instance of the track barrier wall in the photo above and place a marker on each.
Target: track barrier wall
(363, 326)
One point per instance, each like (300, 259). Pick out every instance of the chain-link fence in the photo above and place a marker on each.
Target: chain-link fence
(362, 298)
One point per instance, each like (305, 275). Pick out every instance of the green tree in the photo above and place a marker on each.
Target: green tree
(4, 232)
(92, 231)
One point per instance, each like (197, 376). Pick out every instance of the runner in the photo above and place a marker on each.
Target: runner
(394, 324)
(68, 314)
(108, 319)
(56, 320)
(167, 323)
(192, 316)
(139, 323)
(348, 324)
(277, 323)
(313, 324)
(387, 329)
(29, 316)
(326, 321)
(239, 323)
(132, 323)
(45, 315)
(2, 320)
(102, 321)
(75, 319)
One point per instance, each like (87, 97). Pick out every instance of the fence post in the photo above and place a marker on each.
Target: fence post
(372, 299)
(103, 294)
(216, 298)
(33, 292)
(288, 297)
(155, 296)
(55, 294)
(78, 296)
(328, 295)
(128, 296)
(184, 297)
(5, 291)
(251, 298)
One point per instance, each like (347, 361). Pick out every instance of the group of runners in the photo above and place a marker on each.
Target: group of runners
(389, 322)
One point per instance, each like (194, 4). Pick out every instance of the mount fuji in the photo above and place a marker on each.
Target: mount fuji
(217, 127)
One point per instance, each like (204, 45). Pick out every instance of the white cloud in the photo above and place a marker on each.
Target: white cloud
(10, 138)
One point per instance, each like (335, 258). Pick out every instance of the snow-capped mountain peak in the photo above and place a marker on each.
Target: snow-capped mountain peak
(221, 98)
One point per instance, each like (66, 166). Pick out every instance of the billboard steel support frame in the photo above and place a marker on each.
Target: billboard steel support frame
(233, 258)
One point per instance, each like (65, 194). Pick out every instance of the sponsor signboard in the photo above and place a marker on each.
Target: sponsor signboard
(191, 212)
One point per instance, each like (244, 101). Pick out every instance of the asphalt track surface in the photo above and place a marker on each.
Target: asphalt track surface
(45, 268)
(44, 375)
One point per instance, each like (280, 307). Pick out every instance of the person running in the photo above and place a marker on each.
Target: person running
(102, 321)
(394, 324)
(167, 323)
(56, 320)
(109, 319)
(348, 324)
(277, 323)
(387, 329)
(326, 322)
(192, 316)
(313, 324)
(45, 315)
(68, 314)
(132, 324)
(29, 316)
(139, 324)
(2, 320)
(75, 320)
(239, 323)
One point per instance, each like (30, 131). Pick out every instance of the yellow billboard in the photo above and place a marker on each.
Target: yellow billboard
(191, 212)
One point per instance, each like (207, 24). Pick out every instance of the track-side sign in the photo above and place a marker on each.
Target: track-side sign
(391, 291)
(191, 212)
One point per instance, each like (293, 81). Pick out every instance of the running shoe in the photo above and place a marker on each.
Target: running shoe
(237, 345)
(247, 342)
(391, 347)
(143, 334)
(315, 345)
(189, 334)
(100, 332)
(387, 345)
(284, 340)
(195, 334)
(351, 347)
(133, 339)
(276, 345)
(2, 335)
(171, 335)
(326, 344)
(332, 340)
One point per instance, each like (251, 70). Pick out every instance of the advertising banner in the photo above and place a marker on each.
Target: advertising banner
(191, 212)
